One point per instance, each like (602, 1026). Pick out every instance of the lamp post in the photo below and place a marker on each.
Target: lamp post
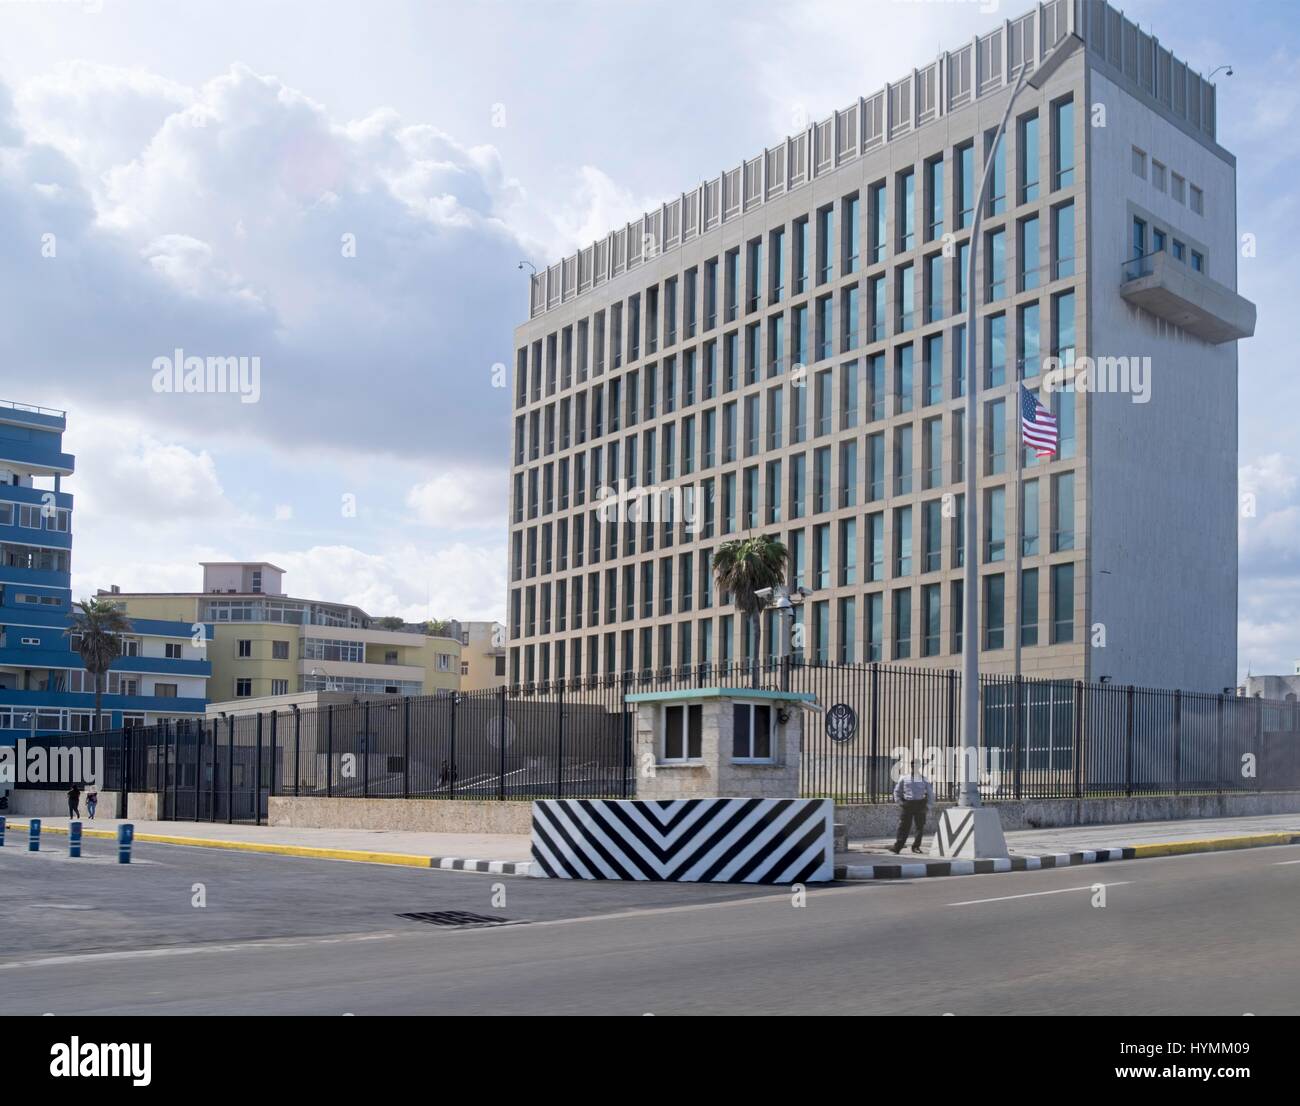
(971, 830)
(782, 600)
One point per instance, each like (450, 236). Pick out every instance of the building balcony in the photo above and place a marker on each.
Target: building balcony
(1170, 290)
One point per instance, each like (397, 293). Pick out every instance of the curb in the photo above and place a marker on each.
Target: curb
(923, 868)
(361, 856)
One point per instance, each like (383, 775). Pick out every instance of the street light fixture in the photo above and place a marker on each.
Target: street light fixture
(784, 601)
(985, 837)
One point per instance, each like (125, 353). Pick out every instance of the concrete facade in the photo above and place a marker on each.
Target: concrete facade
(814, 392)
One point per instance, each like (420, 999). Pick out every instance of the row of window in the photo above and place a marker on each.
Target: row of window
(911, 372)
(714, 292)
(827, 478)
(1178, 188)
(862, 629)
(36, 517)
(650, 590)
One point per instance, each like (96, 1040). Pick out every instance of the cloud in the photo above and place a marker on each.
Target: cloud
(461, 499)
(368, 263)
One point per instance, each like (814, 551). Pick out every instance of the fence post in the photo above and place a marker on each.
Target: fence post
(1017, 735)
(1218, 747)
(175, 768)
(406, 746)
(875, 727)
(200, 742)
(501, 742)
(122, 796)
(329, 751)
(1128, 743)
(559, 744)
(230, 769)
(451, 768)
(212, 787)
(257, 776)
(297, 750)
(1259, 745)
(1080, 754)
(627, 746)
(271, 789)
(365, 750)
(1178, 742)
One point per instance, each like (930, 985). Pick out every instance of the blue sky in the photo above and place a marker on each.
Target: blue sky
(199, 165)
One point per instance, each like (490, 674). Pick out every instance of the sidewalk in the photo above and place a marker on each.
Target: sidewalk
(508, 854)
(1067, 845)
(500, 853)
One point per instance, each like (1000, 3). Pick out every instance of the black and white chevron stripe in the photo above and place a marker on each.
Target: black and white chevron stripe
(953, 832)
(685, 840)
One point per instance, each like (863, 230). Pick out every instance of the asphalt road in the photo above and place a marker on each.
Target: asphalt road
(1203, 934)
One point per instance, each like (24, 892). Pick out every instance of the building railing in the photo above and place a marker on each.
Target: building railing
(34, 409)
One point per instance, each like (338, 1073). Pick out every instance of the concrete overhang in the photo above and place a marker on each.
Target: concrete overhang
(1170, 290)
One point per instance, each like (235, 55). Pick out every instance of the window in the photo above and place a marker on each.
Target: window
(243, 688)
(902, 541)
(1027, 249)
(1178, 188)
(1062, 144)
(995, 264)
(995, 437)
(172, 650)
(1198, 201)
(280, 651)
(994, 611)
(1062, 512)
(683, 735)
(878, 243)
(933, 199)
(851, 234)
(1139, 163)
(825, 244)
(903, 378)
(752, 732)
(1157, 175)
(902, 623)
(1029, 606)
(873, 619)
(165, 691)
(930, 612)
(932, 536)
(1028, 144)
(848, 653)
(1063, 241)
(996, 202)
(906, 214)
(245, 647)
(995, 350)
(902, 459)
(995, 525)
(1062, 603)
(1029, 518)
(281, 687)
(965, 159)
(1198, 262)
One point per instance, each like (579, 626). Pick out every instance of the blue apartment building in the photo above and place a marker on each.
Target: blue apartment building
(162, 674)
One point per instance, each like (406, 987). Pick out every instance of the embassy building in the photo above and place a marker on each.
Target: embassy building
(780, 350)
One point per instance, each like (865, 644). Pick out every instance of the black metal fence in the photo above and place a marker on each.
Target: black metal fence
(1038, 739)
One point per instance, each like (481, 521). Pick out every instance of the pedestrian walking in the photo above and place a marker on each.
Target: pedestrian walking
(74, 801)
(92, 801)
(912, 793)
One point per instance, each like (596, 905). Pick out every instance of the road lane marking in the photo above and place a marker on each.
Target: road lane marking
(1039, 894)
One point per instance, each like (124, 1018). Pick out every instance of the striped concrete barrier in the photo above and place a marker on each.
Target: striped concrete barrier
(732, 840)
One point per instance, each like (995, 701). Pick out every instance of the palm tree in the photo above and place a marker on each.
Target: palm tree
(100, 626)
(745, 566)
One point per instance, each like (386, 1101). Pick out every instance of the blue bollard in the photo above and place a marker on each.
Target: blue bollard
(74, 838)
(125, 835)
(34, 835)
(2, 832)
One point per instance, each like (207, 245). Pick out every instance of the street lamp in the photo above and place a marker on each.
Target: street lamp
(971, 830)
(784, 601)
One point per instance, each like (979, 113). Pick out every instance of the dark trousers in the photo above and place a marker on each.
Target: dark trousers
(912, 812)
(73, 812)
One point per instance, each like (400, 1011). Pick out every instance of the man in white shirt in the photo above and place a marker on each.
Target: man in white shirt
(912, 793)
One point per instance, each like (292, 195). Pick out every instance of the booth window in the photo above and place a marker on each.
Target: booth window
(683, 730)
(752, 733)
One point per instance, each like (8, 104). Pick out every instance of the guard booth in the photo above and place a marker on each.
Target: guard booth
(717, 783)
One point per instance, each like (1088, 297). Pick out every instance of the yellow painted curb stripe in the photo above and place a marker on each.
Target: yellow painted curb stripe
(1212, 844)
(404, 859)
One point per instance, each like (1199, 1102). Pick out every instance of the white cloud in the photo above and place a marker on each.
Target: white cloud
(461, 499)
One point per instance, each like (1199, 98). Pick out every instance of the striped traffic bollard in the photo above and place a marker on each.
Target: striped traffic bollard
(2, 832)
(125, 835)
(34, 836)
(74, 838)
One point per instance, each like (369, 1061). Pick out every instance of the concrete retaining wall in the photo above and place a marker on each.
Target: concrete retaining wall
(431, 815)
(881, 820)
(54, 804)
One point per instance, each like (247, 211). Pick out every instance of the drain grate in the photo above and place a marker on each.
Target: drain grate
(457, 919)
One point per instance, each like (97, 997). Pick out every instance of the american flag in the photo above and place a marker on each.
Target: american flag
(1037, 425)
